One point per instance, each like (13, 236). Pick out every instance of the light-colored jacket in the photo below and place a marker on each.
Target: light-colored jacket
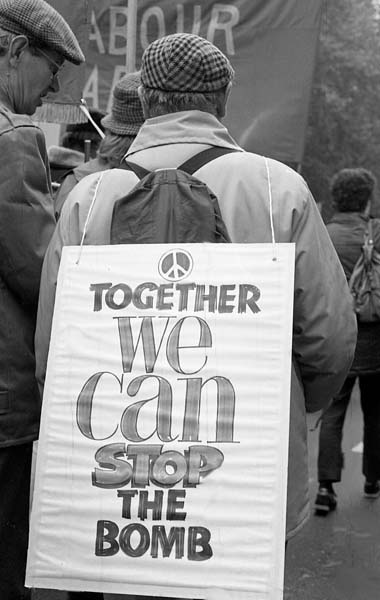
(324, 331)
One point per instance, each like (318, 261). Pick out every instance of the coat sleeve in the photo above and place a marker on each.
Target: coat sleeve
(324, 327)
(26, 211)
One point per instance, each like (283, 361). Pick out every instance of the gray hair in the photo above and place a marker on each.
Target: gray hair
(113, 148)
(5, 40)
(160, 103)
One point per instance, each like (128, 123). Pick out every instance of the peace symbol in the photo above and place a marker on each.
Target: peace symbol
(175, 265)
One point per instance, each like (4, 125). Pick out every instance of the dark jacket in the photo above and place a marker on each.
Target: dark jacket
(26, 225)
(347, 231)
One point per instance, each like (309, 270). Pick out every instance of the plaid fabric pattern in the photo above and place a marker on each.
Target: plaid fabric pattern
(184, 62)
(43, 26)
(126, 115)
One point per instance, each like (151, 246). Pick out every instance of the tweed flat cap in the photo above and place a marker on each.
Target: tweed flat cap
(42, 25)
(184, 62)
(126, 115)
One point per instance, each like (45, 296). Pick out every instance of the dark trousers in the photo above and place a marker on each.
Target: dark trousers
(15, 466)
(330, 457)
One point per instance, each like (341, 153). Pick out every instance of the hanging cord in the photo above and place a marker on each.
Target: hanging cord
(88, 217)
(271, 208)
(85, 111)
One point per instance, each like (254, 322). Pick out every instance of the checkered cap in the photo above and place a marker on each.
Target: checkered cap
(42, 25)
(184, 62)
(126, 115)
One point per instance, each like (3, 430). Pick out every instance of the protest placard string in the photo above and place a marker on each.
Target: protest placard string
(271, 209)
(88, 217)
(86, 112)
(270, 195)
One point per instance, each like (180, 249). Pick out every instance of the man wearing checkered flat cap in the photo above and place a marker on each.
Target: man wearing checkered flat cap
(34, 42)
(185, 84)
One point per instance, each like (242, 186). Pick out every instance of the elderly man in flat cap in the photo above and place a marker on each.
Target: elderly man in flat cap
(34, 42)
(186, 82)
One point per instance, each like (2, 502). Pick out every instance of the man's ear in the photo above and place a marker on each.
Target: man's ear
(222, 104)
(143, 102)
(16, 48)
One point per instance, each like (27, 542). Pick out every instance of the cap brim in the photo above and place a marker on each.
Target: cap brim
(120, 128)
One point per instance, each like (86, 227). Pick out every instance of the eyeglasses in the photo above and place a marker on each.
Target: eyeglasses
(52, 62)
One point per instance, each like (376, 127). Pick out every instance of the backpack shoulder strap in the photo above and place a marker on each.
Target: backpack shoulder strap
(190, 166)
(137, 169)
(205, 156)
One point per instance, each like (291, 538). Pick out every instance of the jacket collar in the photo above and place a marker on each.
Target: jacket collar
(192, 126)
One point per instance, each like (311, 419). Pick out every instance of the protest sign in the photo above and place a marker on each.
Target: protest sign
(162, 460)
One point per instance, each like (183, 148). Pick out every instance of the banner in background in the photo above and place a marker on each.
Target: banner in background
(271, 44)
(162, 463)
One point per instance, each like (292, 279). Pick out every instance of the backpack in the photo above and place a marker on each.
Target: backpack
(170, 206)
(364, 282)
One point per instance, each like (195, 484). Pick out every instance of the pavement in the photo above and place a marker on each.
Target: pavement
(336, 557)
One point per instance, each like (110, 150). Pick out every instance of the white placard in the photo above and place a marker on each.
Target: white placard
(162, 462)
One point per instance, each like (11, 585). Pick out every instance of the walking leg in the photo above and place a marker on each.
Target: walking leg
(15, 467)
(370, 403)
(330, 456)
